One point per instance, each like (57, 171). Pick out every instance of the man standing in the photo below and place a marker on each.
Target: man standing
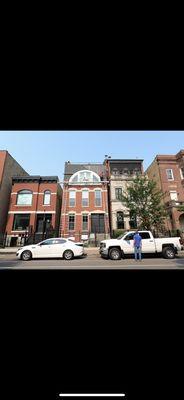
(137, 245)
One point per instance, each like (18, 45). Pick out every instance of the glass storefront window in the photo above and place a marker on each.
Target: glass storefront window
(21, 222)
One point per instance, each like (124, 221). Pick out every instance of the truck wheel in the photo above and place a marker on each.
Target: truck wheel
(168, 252)
(115, 254)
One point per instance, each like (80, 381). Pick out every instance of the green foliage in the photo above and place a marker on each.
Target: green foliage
(144, 202)
(118, 232)
(180, 208)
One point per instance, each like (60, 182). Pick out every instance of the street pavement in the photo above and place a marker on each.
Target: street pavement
(92, 261)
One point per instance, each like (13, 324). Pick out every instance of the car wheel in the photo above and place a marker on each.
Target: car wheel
(115, 254)
(26, 255)
(68, 255)
(168, 252)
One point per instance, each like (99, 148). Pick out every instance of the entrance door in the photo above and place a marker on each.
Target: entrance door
(97, 223)
(43, 222)
(181, 220)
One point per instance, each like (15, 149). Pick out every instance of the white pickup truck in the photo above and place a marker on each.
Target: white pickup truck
(124, 244)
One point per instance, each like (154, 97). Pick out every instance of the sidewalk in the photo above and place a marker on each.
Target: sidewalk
(9, 250)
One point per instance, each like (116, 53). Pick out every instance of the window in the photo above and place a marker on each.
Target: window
(144, 235)
(48, 242)
(24, 198)
(182, 172)
(72, 198)
(85, 222)
(46, 197)
(84, 176)
(54, 241)
(71, 222)
(133, 221)
(169, 173)
(21, 222)
(130, 236)
(174, 195)
(118, 193)
(120, 220)
(98, 198)
(85, 198)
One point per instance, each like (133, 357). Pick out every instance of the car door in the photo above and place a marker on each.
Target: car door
(58, 247)
(148, 243)
(128, 243)
(44, 249)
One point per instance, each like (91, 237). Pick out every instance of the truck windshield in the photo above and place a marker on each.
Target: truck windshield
(121, 236)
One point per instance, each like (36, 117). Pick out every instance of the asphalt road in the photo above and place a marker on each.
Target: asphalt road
(9, 261)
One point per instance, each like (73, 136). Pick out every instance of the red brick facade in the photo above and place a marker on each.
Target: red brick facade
(94, 213)
(37, 186)
(8, 167)
(172, 185)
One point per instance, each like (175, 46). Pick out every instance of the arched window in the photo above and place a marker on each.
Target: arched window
(84, 177)
(120, 220)
(24, 198)
(46, 197)
(133, 221)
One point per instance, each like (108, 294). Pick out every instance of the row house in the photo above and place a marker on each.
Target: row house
(35, 207)
(168, 172)
(8, 168)
(84, 212)
(120, 173)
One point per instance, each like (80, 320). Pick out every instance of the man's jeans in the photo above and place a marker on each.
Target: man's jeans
(137, 250)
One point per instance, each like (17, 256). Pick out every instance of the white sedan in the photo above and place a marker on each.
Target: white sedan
(51, 248)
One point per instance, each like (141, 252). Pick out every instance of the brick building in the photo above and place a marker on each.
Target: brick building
(84, 212)
(8, 168)
(168, 172)
(120, 173)
(35, 207)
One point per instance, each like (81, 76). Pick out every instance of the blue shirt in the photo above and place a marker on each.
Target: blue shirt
(137, 240)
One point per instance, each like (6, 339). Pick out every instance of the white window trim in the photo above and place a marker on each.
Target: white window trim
(170, 179)
(74, 221)
(72, 190)
(30, 212)
(181, 173)
(98, 190)
(49, 192)
(24, 205)
(85, 182)
(85, 230)
(85, 190)
(175, 192)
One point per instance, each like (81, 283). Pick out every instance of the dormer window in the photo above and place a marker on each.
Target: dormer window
(84, 176)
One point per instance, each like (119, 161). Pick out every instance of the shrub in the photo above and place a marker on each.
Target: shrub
(117, 232)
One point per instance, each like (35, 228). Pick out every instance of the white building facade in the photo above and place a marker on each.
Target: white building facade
(120, 174)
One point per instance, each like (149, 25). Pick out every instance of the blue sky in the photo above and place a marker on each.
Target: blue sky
(44, 153)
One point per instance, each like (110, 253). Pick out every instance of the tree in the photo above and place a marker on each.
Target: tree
(144, 202)
(180, 208)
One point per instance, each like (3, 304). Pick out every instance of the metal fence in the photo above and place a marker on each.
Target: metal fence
(3, 239)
